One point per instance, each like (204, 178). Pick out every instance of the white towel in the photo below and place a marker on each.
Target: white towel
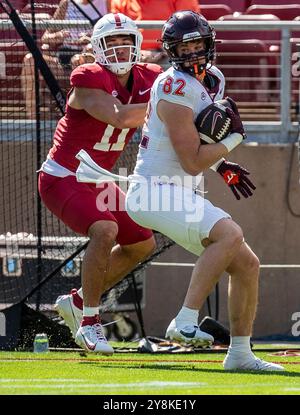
(89, 171)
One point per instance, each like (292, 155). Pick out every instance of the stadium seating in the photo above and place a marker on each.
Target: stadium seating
(18, 4)
(270, 37)
(246, 66)
(296, 34)
(11, 33)
(40, 7)
(272, 2)
(295, 71)
(214, 11)
(11, 98)
(235, 5)
(283, 12)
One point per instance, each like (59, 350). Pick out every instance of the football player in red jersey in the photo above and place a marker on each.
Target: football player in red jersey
(106, 103)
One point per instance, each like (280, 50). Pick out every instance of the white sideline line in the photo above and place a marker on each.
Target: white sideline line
(60, 384)
(138, 385)
(187, 264)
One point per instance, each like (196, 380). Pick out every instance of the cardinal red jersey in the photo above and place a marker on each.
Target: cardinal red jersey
(78, 130)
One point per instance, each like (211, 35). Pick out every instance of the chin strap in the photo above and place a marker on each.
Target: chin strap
(200, 77)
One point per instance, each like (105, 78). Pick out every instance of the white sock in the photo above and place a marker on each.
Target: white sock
(80, 293)
(90, 311)
(240, 345)
(188, 316)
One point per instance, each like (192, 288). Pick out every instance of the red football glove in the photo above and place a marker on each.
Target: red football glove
(236, 178)
(236, 122)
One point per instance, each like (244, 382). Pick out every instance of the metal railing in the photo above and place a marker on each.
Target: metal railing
(282, 130)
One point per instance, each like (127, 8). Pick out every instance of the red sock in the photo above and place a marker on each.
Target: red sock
(89, 321)
(77, 300)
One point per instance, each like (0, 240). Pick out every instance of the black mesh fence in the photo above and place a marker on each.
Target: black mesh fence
(34, 244)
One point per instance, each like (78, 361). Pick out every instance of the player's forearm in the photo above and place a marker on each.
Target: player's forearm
(52, 38)
(206, 156)
(118, 115)
(210, 154)
(104, 107)
(130, 116)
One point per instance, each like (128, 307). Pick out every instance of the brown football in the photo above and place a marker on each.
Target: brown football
(213, 123)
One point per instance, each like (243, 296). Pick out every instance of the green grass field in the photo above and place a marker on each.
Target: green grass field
(71, 373)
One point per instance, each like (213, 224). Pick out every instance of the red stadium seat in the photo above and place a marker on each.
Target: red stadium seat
(270, 37)
(19, 4)
(296, 34)
(214, 11)
(235, 5)
(11, 33)
(245, 64)
(12, 54)
(283, 12)
(12, 100)
(270, 2)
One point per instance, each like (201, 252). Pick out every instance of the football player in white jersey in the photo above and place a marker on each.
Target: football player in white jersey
(162, 196)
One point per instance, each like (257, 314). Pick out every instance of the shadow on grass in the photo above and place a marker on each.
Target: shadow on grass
(192, 368)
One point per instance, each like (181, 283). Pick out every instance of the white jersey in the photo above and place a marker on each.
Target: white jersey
(157, 156)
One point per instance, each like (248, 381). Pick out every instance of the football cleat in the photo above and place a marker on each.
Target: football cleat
(90, 336)
(71, 313)
(188, 335)
(252, 363)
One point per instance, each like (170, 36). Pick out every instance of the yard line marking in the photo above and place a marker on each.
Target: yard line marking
(39, 380)
(112, 360)
(138, 385)
(189, 264)
(292, 389)
(156, 384)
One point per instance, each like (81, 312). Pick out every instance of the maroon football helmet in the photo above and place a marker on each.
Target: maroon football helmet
(184, 26)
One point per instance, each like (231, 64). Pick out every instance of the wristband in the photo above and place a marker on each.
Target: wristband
(232, 141)
(215, 166)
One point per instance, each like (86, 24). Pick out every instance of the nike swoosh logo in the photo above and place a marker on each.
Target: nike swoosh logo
(189, 335)
(89, 345)
(214, 121)
(144, 92)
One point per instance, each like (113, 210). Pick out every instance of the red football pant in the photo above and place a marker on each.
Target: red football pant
(79, 205)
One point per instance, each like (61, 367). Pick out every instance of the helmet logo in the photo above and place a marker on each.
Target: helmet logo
(192, 35)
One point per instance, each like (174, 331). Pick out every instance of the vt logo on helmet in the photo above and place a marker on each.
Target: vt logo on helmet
(187, 26)
(109, 27)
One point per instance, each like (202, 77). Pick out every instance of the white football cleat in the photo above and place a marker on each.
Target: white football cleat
(188, 334)
(91, 337)
(69, 312)
(252, 363)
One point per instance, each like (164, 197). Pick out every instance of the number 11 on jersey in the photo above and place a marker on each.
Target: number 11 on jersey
(106, 145)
